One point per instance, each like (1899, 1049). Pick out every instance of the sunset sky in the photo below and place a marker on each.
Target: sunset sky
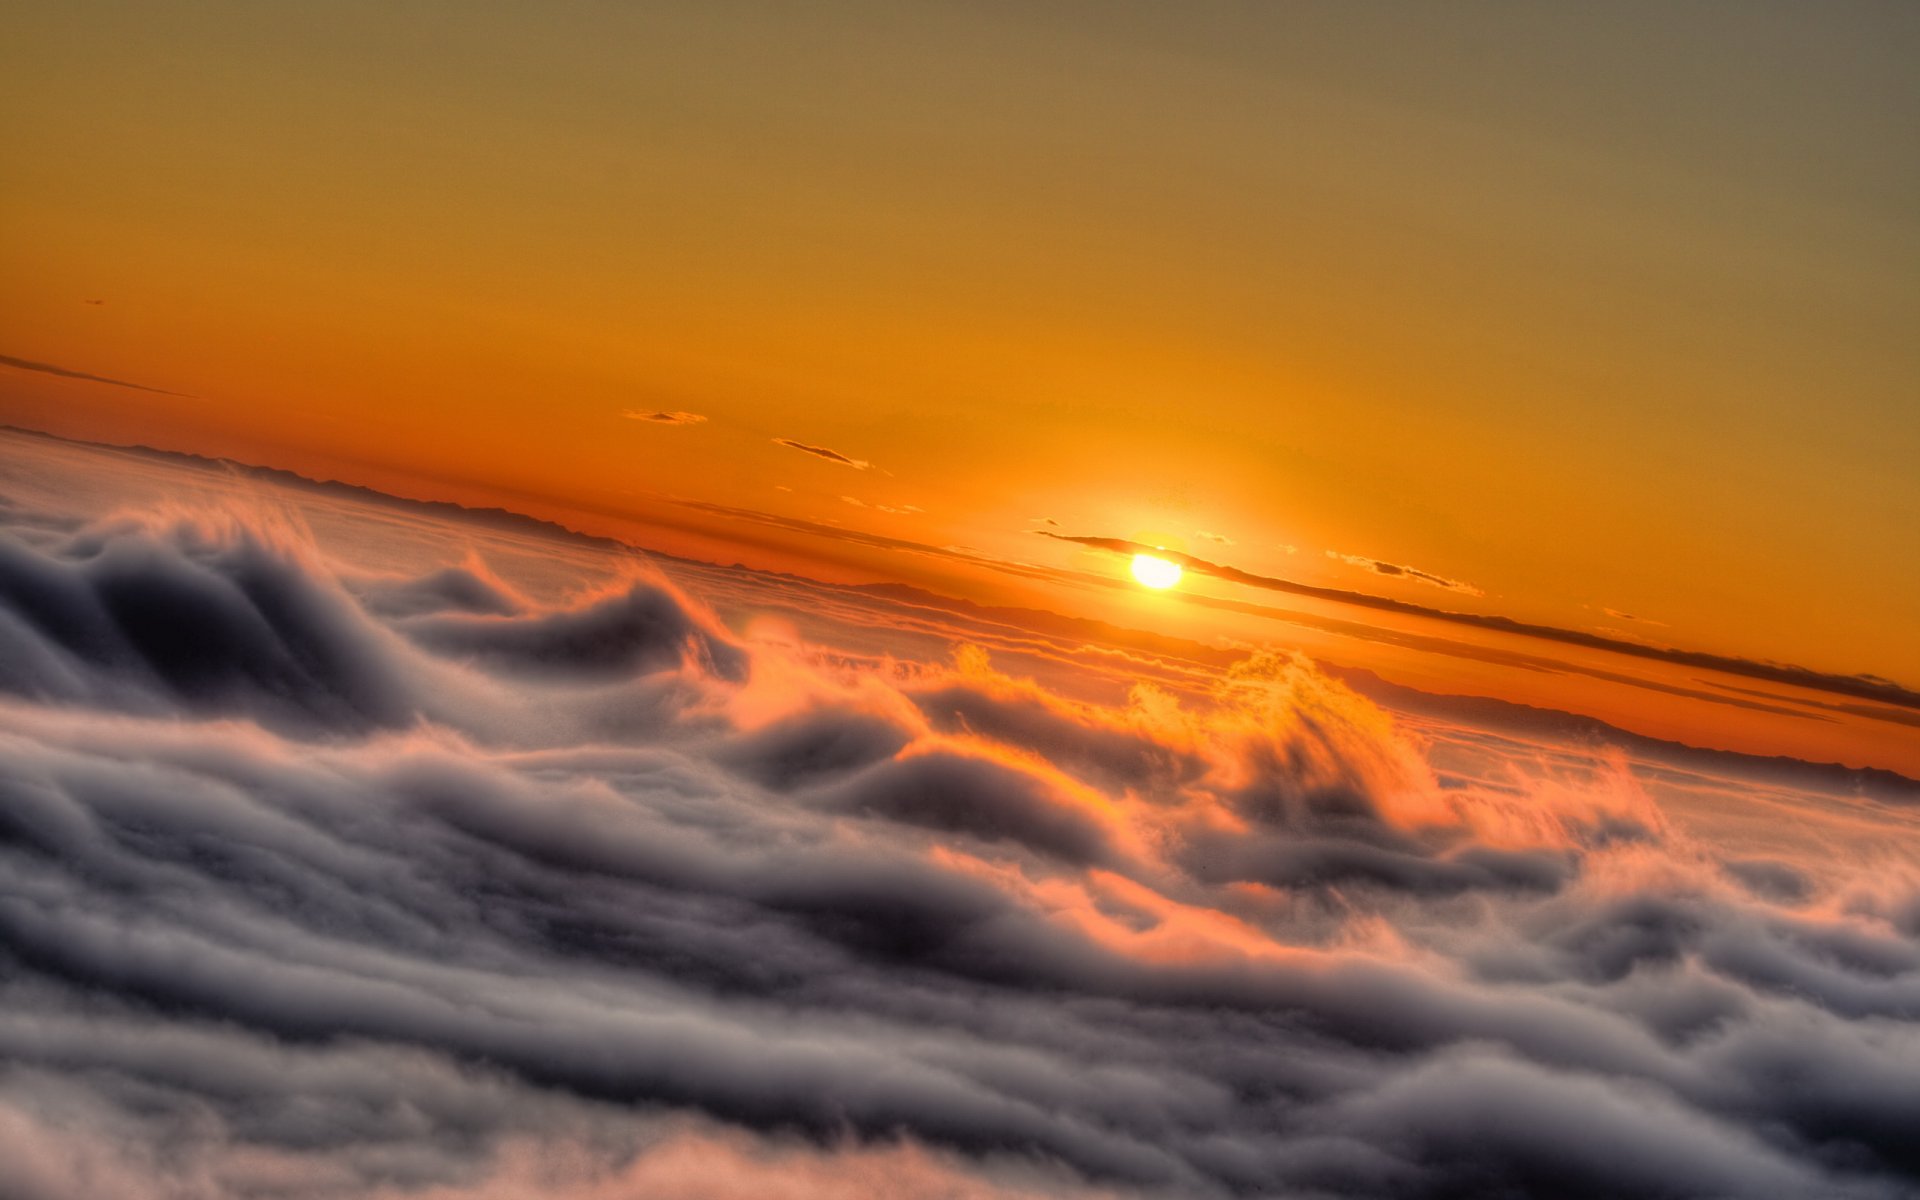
(976, 600)
(1594, 317)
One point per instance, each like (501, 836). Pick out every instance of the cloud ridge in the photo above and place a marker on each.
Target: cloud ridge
(336, 882)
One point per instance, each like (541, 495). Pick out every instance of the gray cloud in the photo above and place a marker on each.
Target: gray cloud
(352, 885)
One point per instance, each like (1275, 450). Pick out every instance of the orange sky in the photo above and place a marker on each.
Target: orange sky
(1584, 308)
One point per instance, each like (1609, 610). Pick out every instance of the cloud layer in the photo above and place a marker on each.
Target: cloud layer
(318, 882)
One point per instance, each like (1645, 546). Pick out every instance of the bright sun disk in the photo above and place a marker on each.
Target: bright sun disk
(1155, 572)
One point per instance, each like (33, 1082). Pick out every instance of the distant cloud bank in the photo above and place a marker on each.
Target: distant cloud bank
(1861, 687)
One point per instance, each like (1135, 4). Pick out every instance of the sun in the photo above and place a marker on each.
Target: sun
(1155, 572)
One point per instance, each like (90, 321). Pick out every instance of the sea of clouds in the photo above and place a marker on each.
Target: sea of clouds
(319, 881)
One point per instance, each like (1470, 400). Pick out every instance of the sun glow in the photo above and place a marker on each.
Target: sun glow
(1155, 572)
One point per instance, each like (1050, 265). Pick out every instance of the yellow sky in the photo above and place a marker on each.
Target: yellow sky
(1585, 307)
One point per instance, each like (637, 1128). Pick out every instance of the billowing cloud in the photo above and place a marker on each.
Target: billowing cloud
(1396, 571)
(833, 456)
(664, 418)
(322, 881)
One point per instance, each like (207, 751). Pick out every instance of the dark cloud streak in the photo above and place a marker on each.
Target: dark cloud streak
(664, 418)
(1397, 571)
(833, 456)
(22, 364)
